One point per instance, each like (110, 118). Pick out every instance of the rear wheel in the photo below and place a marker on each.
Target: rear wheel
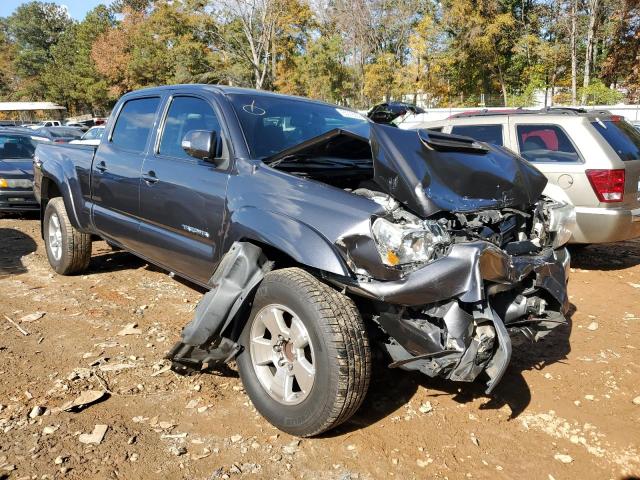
(68, 250)
(306, 361)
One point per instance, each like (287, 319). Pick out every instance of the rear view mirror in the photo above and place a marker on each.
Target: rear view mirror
(201, 144)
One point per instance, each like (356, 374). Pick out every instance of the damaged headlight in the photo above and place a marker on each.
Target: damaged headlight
(409, 243)
(562, 222)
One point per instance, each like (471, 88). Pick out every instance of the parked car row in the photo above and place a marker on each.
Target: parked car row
(17, 147)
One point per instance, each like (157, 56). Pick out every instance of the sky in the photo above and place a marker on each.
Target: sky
(77, 8)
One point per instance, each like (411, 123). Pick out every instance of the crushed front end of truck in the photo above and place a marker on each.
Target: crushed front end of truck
(462, 254)
(477, 261)
(454, 317)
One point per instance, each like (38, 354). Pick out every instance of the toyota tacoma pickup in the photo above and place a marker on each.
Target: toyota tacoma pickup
(319, 236)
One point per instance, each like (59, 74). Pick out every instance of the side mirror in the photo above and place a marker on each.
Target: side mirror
(202, 144)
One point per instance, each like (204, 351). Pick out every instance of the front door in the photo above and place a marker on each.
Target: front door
(115, 178)
(182, 199)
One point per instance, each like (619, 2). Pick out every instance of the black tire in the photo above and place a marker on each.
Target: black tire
(342, 363)
(75, 246)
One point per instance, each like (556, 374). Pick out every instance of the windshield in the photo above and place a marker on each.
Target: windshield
(621, 136)
(94, 133)
(61, 132)
(272, 124)
(16, 146)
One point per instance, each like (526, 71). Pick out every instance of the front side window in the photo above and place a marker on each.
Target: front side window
(272, 124)
(483, 133)
(545, 143)
(185, 115)
(134, 124)
(15, 147)
(621, 136)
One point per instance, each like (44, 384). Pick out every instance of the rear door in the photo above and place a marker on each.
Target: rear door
(624, 140)
(182, 199)
(115, 176)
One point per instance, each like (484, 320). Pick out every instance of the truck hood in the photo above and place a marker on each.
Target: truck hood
(431, 172)
(18, 168)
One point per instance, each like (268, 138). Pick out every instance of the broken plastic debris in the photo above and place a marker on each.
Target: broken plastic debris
(130, 330)
(84, 399)
(94, 437)
(32, 317)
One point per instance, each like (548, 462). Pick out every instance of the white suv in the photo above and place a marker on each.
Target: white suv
(592, 160)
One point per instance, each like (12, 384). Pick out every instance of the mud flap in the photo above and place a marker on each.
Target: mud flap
(202, 345)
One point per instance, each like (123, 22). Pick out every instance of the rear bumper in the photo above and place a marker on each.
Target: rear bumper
(602, 225)
(18, 201)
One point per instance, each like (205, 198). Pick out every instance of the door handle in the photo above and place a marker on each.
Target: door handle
(101, 167)
(150, 177)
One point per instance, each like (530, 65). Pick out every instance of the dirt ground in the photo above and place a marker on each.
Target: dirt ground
(564, 410)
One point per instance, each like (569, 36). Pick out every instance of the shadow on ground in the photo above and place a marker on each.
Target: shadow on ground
(14, 245)
(392, 389)
(606, 256)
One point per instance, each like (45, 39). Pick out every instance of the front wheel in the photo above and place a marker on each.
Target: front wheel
(68, 250)
(306, 361)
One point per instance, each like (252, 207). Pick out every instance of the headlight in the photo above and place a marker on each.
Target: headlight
(16, 183)
(403, 244)
(562, 221)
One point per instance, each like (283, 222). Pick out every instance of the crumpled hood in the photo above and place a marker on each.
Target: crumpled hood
(19, 168)
(431, 172)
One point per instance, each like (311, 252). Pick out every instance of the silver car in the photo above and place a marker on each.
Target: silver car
(592, 161)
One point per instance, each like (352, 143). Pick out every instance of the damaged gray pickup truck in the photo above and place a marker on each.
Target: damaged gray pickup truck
(319, 236)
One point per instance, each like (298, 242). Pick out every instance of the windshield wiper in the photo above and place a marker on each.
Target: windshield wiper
(305, 158)
(292, 156)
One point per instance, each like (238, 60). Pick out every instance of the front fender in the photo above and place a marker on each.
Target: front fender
(300, 241)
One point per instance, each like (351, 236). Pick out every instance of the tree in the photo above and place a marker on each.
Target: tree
(247, 29)
(593, 7)
(35, 27)
(7, 57)
(71, 77)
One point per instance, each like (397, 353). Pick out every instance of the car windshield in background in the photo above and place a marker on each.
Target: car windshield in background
(61, 132)
(621, 136)
(273, 124)
(16, 146)
(93, 133)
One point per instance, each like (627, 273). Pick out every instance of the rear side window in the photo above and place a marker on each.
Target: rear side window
(186, 114)
(484, 133)
(134, 124)
(546, 143)
(621, 136)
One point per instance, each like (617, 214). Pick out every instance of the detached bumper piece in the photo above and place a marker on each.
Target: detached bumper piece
(204, 345)
(494, 298)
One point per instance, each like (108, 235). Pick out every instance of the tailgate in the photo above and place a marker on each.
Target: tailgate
(624, 140)
(632, 184)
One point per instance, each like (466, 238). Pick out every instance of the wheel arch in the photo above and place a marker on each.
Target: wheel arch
(287, 238)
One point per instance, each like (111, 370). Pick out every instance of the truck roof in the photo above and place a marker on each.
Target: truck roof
(224, 89)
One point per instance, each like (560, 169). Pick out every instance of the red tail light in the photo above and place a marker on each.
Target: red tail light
(608, 184)
(59, 141)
